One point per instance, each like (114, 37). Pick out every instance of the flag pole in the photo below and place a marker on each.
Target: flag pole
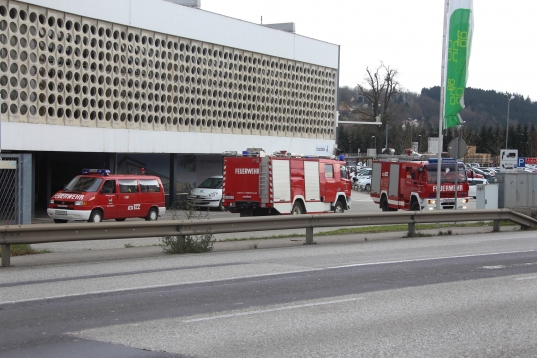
(441, 116)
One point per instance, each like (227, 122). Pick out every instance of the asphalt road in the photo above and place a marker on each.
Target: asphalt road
(465, 295)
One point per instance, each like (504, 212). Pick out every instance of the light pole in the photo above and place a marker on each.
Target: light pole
(507, 129)
(375, 141)
(419, 142)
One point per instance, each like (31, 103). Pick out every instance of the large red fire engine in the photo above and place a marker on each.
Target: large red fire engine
(412, 185)
(257, 184)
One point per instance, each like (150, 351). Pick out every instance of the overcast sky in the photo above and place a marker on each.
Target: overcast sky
(407, 36)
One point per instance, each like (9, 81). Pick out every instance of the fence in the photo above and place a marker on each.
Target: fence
(43, 233)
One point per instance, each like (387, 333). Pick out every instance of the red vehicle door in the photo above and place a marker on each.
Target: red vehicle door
(329, 185)
(128, 203)
(106, 198)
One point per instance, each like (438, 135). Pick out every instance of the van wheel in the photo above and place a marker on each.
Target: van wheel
(338, 209)
(60, 221)
(297, 209)
(152, 215)
(415, 206)
(95, 217)
(122, 219)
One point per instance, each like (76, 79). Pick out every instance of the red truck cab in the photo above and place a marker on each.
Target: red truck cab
(97, 195)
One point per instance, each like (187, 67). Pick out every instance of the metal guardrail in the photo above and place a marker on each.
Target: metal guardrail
(43, 233)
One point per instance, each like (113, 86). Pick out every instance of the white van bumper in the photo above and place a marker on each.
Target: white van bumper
(64, 214)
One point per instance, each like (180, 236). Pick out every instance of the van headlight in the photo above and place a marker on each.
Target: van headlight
(81, 203)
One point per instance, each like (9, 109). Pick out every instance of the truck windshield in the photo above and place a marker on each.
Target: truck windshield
(447, 175)
(211, 183)
(84, 184)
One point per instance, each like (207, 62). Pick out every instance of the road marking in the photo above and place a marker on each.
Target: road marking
(193, 283)
(526, 278)
(428, 259)
(270, 310)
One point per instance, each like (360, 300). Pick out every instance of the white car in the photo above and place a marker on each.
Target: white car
(472, 192)
(364, 183)
(208, 194)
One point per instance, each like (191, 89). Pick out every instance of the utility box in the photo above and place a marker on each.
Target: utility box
(486, 196)
(517, 190)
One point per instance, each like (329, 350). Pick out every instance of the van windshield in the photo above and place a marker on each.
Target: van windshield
(211, 183)
(84, 184)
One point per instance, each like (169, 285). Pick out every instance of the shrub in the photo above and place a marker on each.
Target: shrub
(180, 244)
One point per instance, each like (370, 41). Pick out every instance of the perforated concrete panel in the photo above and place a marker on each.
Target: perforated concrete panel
(62, 69)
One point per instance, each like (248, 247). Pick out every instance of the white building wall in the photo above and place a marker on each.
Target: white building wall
(31, 132)
(169, 18)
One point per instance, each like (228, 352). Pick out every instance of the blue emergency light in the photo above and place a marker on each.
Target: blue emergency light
(104, 172)
(342, 158)
(444, 160)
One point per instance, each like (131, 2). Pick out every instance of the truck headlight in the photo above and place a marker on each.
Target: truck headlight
(431, 201)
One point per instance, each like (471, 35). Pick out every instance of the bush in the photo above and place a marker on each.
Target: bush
(181, 244)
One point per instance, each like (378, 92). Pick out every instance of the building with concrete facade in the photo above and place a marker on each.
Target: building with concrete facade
(126, 84)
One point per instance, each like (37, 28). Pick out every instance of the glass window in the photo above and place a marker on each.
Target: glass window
(109, 187)
(84, 184)
(328, 171)
(211, 183)
(149, 185)
(128, 186)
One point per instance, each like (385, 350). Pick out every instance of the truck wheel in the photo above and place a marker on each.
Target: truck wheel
(95, 217)
(338, 209)
(415, 206)
(384, 204)
(60, 221)
(297, 209)
(152, 215)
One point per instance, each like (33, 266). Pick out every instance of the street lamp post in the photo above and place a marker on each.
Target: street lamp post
(507, 129)
(419, 142)
(375, 141)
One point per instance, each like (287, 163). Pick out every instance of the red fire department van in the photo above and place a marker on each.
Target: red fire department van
(412, 185)
(256, 184)
(97, 195)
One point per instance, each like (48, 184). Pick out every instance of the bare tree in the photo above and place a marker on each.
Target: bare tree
(379, 88)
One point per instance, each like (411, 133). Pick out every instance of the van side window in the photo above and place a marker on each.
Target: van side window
(128, 186)
(149, 185)
(328, 171)
(109, 187)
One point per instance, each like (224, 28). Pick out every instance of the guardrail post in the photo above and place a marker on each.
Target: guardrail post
(411, 229)
(496, 225)
(6, 255)
(309, 236)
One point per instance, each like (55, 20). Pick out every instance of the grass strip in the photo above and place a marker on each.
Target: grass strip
(24, 249)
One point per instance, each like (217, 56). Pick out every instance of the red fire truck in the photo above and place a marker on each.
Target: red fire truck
(256, 184)
(412, 185)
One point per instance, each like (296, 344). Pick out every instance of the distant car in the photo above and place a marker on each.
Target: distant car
(208, 194)
(473, 182)
(364, 183)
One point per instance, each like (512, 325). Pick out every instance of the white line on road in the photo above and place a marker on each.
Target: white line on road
(428, 259)
(270, 310)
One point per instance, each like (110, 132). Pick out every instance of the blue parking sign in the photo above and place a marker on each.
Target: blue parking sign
(521, 162)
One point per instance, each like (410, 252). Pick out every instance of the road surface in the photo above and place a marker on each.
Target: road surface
(449, 296)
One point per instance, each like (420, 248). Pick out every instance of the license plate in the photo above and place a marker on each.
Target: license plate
(60, 212)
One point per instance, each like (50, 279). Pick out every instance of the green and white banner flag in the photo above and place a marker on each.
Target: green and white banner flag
(460, 24)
